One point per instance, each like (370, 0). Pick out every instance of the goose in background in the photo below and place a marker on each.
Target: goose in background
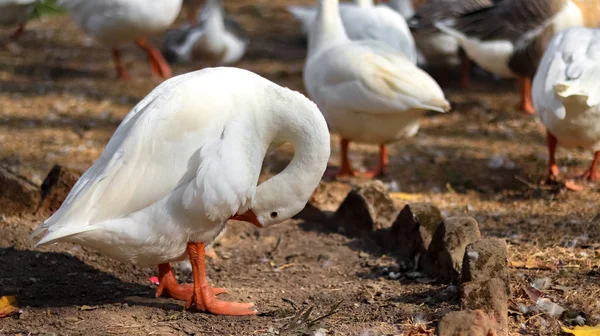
(15, 13)
(365, 21)
(566, 97)
(438, 48)
(404, 7)
(185, 160)
(213, 37)
(114, 23)
(509, 38)
(367, 91)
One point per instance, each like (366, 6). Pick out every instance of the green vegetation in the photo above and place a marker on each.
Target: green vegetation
(46, 8)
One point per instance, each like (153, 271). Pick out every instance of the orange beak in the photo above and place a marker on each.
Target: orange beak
(247, 216)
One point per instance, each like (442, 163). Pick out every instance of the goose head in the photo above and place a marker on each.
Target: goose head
(299, 122)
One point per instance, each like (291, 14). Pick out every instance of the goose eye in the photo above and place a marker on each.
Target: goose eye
(274, 214)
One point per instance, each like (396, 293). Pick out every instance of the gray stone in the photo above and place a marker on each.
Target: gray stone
(444, 256)
(467, 323)
(490, 296)
(486, 259)
(17, 195)
(412, 231)
(367, 208)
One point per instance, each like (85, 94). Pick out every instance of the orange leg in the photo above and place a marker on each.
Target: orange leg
(203, 297)
(526, 102)
(121, 71)
(552, 174)
(466, 71)
(382, 165)
(15, 36)
(158, 65)
(346, 168)
(169, 287)
(592, 172)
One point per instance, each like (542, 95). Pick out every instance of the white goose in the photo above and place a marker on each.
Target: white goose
(15, 13)
(566, 96)
(367, 91)
(365, 21)
(214, 38)
(117, 22)
(185, 160)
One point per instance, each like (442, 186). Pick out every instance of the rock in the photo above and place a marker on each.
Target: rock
(17, 195)
(367, 208)
(56, 187)
(412, 230)
(467, 323)
(445, 254)
(311, 213)
(490, 296)
(486, 259)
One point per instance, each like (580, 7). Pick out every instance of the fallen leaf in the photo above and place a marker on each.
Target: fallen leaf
(533, 293)
(7, 307)
(583, 331)
(405, 196)
(86, 307)
(530, 264)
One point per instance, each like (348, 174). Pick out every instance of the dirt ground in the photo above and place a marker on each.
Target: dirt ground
(60, 103)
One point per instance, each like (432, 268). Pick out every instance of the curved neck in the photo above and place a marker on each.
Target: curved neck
(363, 3)
(328, 29)
(297, 120)
(404, 7)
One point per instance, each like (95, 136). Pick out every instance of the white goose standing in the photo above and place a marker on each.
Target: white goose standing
(117, 22)
(214, 38)
(566, 96)
(185, 160)
(368, 91)
(365, 21)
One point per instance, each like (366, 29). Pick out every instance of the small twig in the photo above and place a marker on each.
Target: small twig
(291, 302)
(531, 184)
(282, 267)
(274, 249)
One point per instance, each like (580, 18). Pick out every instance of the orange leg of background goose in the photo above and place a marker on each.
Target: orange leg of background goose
(158, 65)
(552, 174)
(526, 102)
(121, 71)
(15, 36)
(203, 297)
(346, 168)
(382, 165)
(592, 172)
(466, 72)
(169, 287)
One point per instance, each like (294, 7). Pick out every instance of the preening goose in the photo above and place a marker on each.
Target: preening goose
(215, 38)
(365, 21)
(15, 13)
(368, 91)
(117, 22)
(566, 96)
(185, 160)
(509, 39)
